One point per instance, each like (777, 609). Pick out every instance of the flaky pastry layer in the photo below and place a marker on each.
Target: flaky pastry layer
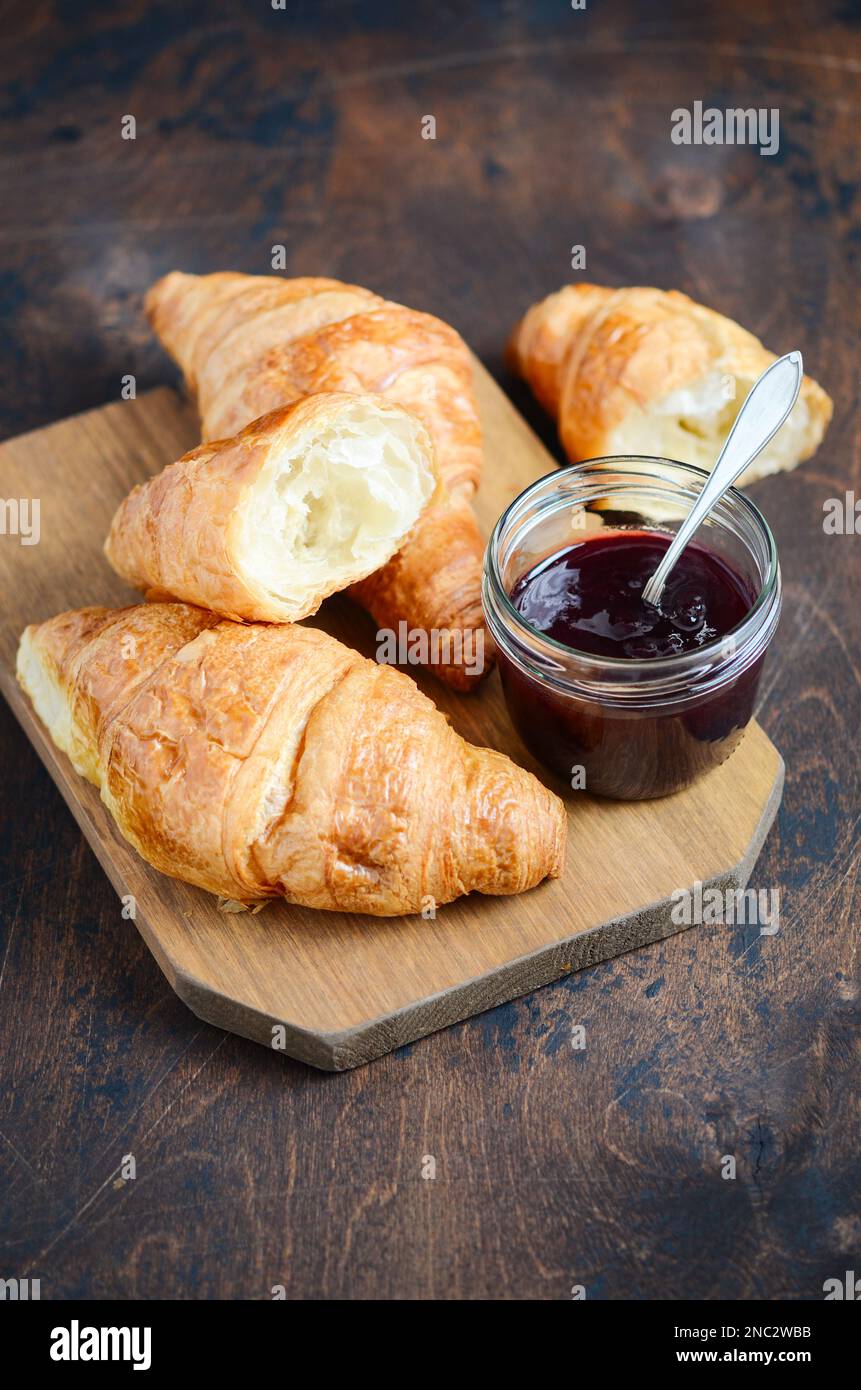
(262, 761)
(302, 503)
(249, 344)
(646, 371)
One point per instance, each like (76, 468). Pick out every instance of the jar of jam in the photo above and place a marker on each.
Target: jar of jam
(620, 698)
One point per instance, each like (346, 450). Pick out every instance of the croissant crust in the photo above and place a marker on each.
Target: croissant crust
(646, 371)
(301, 503)
(260, 761)
(250, 344)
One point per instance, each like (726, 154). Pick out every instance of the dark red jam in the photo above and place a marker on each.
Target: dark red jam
(589, 598)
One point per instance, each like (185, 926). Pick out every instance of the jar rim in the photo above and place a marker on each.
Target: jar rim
(662, 667)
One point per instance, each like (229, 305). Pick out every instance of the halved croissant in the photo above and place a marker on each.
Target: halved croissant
(249, 344)
(303, 502)
(261, 761)
(645, 371)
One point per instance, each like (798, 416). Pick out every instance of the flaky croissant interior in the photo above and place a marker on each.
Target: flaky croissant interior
(50, 703)
(647, 371)
(333, 503)
(302, 503)
(691, 423)
(250, 344)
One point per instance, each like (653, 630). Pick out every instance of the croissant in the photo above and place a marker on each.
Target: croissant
(249, 344)
(644, 371)
(261, 761)
(305, 501)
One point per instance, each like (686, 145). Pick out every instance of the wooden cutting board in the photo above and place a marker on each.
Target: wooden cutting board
(340, 990)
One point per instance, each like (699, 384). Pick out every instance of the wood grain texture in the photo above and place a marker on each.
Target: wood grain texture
(553, 1166)
(346, 989)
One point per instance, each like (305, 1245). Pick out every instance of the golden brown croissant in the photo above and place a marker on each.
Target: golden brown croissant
(272, 761)
(305, 501)
(249, 344)
(644, 371)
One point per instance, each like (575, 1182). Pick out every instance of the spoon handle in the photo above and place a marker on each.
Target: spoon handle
(769, 402)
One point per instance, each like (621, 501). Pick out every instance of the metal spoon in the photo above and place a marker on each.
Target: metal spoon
(769, 401)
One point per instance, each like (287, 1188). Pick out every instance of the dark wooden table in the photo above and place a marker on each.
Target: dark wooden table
(554, 1167)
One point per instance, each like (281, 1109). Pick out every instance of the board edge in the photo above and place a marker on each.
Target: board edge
(372, 1039)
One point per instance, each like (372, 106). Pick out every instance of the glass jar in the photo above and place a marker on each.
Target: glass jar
(620, 727)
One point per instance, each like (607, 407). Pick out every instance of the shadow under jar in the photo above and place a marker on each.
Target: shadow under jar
(637, 726)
